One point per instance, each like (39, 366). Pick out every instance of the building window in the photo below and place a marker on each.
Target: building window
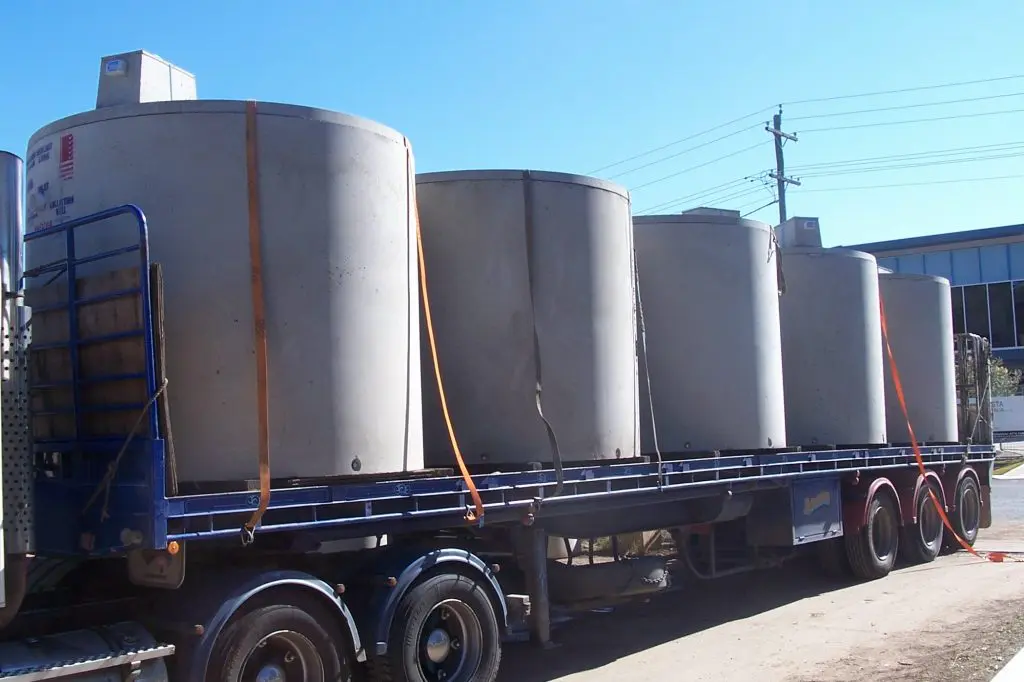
(976, 308)
(1018, 310)
(1001, 314)
(958, 310)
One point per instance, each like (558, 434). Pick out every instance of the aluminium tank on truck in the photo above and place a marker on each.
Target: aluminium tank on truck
(831, 356)
(339, 268)
(919, 319)
(530, 277)
(709, 291)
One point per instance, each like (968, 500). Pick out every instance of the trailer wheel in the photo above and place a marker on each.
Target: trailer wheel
(921, 542)
(966, 516)
(872, 551)
(445, 628)
(297, 641)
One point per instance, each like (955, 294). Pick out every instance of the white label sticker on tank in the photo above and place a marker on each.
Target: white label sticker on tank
(49, 170)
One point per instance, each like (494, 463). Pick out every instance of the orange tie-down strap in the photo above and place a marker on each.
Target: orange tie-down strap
(475, 515)
(997, 557)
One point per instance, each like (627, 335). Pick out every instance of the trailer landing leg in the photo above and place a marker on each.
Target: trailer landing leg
(537, 583)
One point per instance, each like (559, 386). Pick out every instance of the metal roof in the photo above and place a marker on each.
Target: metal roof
(946, 239)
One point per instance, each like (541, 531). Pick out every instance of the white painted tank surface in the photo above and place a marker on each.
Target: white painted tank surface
(339, 266)
(530, 273)
(709, 289)
(919, 318)
(831, 357)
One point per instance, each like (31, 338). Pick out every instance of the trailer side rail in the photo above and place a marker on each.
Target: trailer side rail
(436, 503)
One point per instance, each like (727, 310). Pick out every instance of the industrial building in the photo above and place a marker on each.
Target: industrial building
(986, 269)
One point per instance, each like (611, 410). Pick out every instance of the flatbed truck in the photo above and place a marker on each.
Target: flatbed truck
(113, 570)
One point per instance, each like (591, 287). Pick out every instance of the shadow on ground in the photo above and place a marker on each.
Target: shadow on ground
(593, 640)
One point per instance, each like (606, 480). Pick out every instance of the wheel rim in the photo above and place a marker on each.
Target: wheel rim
(450, 642)
(283, 656)
(970, 510)
(928, 521)
(883, 538)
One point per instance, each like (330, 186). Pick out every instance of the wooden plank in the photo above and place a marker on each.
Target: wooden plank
(116, 313)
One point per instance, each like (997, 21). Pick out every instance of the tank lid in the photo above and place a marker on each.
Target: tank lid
(485, 175)
(723, 219)
(138, 77)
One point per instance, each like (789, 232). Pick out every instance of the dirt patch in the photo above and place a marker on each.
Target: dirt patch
(972, 650)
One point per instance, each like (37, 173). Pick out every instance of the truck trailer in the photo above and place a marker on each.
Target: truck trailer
(117, 565)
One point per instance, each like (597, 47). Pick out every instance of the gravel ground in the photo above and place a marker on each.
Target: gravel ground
(954, 620)
(971, 651)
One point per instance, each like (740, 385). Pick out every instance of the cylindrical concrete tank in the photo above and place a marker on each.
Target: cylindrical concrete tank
(709, 289)
(919, 319)
(530, 277)
(831, 358)
(339, 268)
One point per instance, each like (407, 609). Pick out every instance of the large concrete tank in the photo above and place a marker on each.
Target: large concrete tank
(919, 319)
(709, 289)
(530, 275)
(339, 267)
(831, 357)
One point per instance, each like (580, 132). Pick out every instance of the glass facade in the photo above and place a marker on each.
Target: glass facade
(988, 287)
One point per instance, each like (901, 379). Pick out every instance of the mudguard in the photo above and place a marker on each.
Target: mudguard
(205, 609)
(408, 569)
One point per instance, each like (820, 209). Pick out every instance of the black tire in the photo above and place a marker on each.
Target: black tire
(832, 558)
(921, 542)
(461, 610)
(966, 514)
(300, 636)
(872, 551)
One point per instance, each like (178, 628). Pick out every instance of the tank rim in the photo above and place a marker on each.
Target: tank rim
(214, 106)
(497, 174)
(684, 219)
(921, 277)
(829, 251)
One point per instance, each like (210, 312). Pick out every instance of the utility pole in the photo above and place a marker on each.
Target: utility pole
(779, 175)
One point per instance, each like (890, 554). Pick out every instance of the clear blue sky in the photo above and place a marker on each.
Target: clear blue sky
(575, 85)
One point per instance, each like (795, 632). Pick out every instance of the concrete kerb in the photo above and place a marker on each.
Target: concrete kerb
(1012, 671)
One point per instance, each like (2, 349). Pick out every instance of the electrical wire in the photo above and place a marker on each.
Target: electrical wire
(903, 166)
(913, 120)
(1002, 146)
(681, 140)
(701, 165)
(952, 181)
(898, 107)
(901, 91)
(685, 151)
(760, 208)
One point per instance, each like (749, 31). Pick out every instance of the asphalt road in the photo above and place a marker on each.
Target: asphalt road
(1008, 501)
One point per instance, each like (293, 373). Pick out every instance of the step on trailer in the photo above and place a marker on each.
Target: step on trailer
(114, 569)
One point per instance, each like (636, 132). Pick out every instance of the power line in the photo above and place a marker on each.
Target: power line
(701, 165)
(912, 155)
(900, 91)
(740, 119)
(918, 105)
(914, 184)
(709, 194)
(681, 140)
(915, 120)
(685, 151)
(760, 208)
(943, 162)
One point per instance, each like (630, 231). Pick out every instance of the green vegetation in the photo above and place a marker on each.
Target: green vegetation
(1006, 467)
(1005, 381)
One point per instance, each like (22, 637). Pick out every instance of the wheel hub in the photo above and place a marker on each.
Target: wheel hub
(271, 673)
(439, 645)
